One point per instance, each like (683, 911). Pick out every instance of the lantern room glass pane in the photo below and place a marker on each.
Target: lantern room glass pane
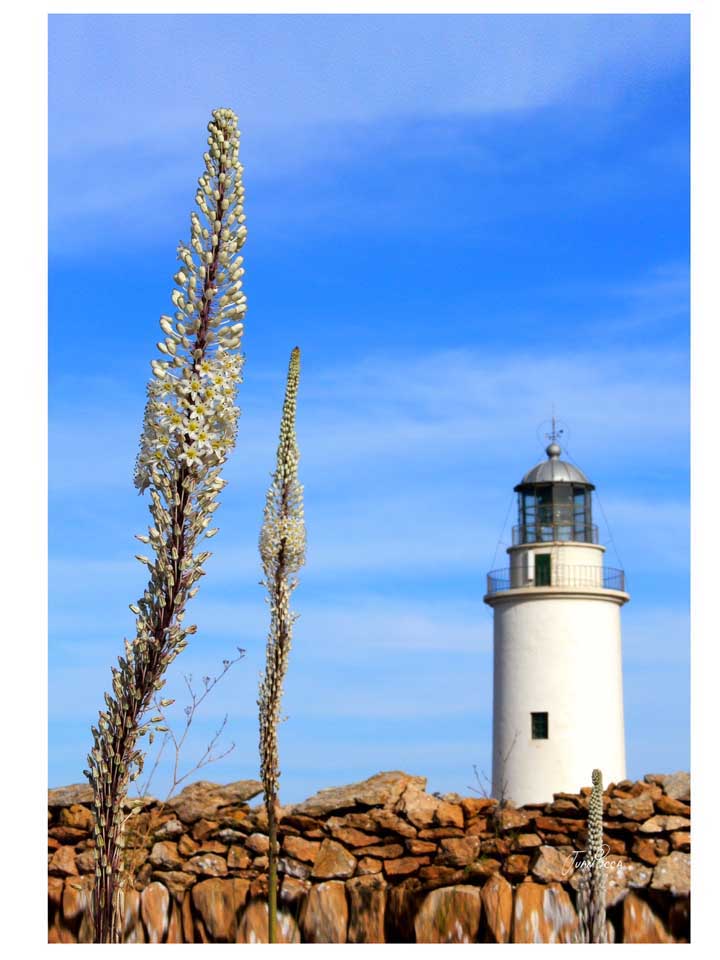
(544, 500)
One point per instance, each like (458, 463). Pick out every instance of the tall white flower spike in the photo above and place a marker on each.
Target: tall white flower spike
(189, 429)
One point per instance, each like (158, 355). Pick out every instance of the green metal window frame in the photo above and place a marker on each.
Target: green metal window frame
(543, 570)
(539, 725)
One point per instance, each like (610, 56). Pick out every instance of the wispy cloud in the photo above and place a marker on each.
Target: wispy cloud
(339, 88)
(295, 70)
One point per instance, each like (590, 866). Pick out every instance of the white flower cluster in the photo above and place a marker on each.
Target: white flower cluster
(282, 550)
(282, 538)
(191, 416)
(190, 419)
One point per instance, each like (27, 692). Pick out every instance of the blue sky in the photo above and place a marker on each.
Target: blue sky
(461, 220)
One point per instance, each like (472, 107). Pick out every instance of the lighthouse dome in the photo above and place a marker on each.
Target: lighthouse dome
(554, 470)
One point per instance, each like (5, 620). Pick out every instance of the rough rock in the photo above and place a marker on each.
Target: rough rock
(497, 900)
(525, 841)
(382, 790)
(440, 833)
(404, 866)
(420, 847)
(368, 865)
(387, 820)
(77, 896)
(473, 807)
(218, 903)
(203, 828)
(170, 830)
(62, 863)
(644, 849)
(237, 859)
(78, 817)
(674, 807)
(449, 915)
(672, 873)
(85, 861)
(432, 877)
(680, 840)
(403, 900)
(333, 861)
(622, 875)
(641, 924)
(677, 786)
(482, 867)
(187, 846)
(67, 796)
(553, 864)
(665, 824)
(358, 819)
(458, 852)
(228, 835)
(367, 897)
(564, 806)
(55, 890)
(294, 868)
(635, 808)
(60, 932)
(67, 835)
(495, 845)
(476, 826)
(517, 866)
(155, 911)
(351, 836)
(299, 822)
(543, 914)
(419, 807)
(293, 893)
(258, 843)
(206, 864)
(175, 928)
(508, 818)
(301, 849)
(325, 916)
(133, 930)
(253, 926)
(388, 851)
(679, 920)
(449, 815)
(177, 882)
(165, 854)
(205, 798)
(563, 825)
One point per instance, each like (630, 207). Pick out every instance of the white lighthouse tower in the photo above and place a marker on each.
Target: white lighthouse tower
(557, 692)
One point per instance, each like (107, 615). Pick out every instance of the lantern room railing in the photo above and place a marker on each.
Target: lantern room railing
(554, 532)
(559, 575)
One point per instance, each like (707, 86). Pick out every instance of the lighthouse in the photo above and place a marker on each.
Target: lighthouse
(557, 649)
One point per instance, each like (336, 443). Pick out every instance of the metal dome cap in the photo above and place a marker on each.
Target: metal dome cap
(554, 470)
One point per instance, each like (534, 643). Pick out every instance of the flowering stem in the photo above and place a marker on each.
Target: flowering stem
(282, 549)
(190, 426)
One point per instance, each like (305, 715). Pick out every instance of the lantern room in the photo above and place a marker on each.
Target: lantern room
(554, 503)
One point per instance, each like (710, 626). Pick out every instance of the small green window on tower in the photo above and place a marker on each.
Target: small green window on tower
(539, 725)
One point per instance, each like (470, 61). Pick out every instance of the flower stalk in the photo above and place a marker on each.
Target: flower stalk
(593, 880)
(282, 551)
(189, 429)
(598, 876)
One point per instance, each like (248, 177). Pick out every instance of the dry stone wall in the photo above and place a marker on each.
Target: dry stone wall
(380, 861)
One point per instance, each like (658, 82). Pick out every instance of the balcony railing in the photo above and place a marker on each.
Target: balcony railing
(560, 575)
(549, 532)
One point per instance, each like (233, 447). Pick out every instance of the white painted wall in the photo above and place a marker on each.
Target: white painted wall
(562, 655)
